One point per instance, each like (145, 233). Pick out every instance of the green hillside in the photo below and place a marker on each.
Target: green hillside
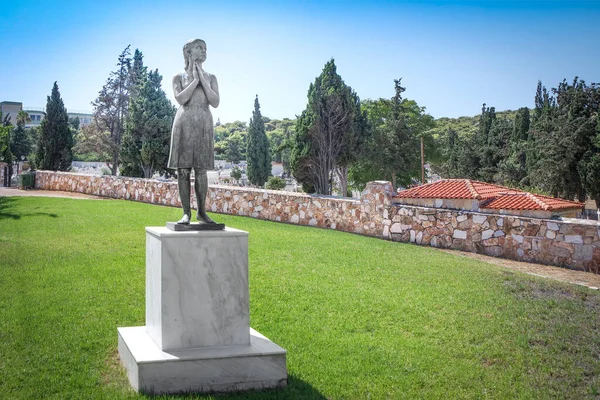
(466, 125)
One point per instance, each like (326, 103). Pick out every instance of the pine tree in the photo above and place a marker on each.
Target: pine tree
(110, 113)
(54, 149)
(258, 153)
(400, 144)
(391, 151)
(145, 147)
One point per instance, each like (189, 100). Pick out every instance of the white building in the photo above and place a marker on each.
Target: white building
(10, 108)
(37, 114)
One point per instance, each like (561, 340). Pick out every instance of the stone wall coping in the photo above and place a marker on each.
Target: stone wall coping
(284, 193)
(432, 210)
(220, 187)
(578, 221)
(75, 174)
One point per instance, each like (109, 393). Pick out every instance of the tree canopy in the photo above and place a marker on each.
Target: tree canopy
(55, 144)
(258, 153)
(111, 108)
(328, 133)
(553, 148)
(392, 150)
(20, 146)
(145, 147)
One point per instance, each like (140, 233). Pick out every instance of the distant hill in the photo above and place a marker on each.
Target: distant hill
(466, 125)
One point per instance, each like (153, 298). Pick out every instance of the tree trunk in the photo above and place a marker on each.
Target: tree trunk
(114, 163)
(10, 172)
(394, 181)
(342, 173)
(148, 171)
(422, 162)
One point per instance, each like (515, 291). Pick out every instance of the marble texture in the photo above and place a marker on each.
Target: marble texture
(197, 336)
(197, 288)
(258, 365)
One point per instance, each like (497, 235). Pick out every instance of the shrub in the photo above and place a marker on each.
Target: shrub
(275, 183)
(236, 173)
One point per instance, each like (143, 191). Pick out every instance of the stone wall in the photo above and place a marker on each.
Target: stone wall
(567, 243)
(365, 216)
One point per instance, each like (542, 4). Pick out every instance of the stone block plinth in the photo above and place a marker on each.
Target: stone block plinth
(260, 365)
(197, 288)
(197, 336)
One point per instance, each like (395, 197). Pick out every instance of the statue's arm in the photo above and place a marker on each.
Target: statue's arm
(211, 89)
(183, 95)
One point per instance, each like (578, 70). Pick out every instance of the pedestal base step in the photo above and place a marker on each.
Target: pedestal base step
(261, 365)
(195, 226)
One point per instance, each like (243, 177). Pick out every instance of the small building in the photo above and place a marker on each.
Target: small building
(85, 117)
(10, 108)
(470, 195)
(36, 116)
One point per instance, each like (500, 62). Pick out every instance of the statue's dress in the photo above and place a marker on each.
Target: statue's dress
(192, 142)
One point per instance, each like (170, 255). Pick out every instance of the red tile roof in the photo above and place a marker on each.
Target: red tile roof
(529, 201)
(453, 189)
(492, 196)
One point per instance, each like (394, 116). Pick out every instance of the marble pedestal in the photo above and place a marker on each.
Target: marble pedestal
(197, 335)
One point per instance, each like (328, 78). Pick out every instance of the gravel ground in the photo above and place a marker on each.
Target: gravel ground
(546, 271)
(13, 191)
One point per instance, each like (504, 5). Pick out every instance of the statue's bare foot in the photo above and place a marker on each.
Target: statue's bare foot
(203, 217)
(185, 220)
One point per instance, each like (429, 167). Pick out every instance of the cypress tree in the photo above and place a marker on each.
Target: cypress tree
(19, 142)
(145, 147)
(55, 144)
(539, 101)
(328, 133)
(258, 153)
(137, 73)
(452, 144)
(566, 141)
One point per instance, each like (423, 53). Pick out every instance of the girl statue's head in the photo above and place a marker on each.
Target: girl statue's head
(187, 48)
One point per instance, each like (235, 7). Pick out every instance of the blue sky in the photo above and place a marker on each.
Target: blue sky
(452, 55)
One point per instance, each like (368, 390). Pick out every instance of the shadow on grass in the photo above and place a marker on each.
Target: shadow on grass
(7, 212)
(296, 389)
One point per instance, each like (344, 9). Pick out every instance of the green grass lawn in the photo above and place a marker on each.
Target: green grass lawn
(361, 318)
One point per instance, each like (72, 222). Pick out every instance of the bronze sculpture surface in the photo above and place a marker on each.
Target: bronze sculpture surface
(192, 141)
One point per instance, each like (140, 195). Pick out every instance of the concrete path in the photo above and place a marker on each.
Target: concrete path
(587, 279)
